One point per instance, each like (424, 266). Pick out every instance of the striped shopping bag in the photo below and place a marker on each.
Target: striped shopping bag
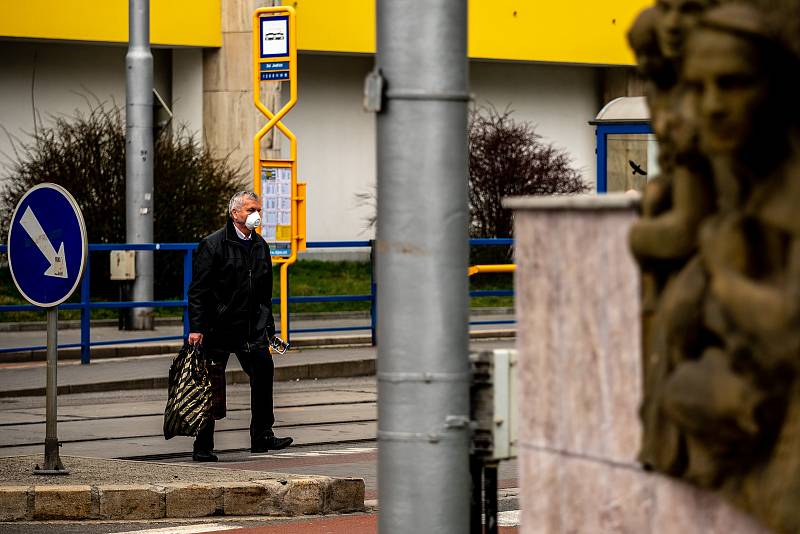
(189, 396)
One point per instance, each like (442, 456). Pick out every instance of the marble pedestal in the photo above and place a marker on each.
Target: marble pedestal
(579, 339)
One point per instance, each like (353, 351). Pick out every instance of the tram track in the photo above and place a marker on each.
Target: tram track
(144, 436)
(75, 419)
(129, 425)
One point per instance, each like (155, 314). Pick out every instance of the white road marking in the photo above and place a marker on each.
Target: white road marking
(317, 454)
(505, 519)
(352, 450)
(508, 519)
(188, 529)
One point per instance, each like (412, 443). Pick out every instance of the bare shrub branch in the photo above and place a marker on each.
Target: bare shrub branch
(85, 154)
(508, 158)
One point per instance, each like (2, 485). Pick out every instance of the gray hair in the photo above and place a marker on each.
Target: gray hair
(238, 199)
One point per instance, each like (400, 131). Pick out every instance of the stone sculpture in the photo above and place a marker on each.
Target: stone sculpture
(719, 249)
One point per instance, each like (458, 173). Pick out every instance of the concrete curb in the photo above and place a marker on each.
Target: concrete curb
(283, 497)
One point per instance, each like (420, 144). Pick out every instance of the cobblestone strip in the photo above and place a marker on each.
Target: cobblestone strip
(292, 496)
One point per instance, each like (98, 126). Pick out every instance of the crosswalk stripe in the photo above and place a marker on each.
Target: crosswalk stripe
(188, 529)
(508, 519)
(505, 519)
(329, 452)
(350, 451)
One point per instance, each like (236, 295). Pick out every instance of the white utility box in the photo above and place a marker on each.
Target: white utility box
(123, 265)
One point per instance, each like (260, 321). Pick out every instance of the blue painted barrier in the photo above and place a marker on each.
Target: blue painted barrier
(86, 305)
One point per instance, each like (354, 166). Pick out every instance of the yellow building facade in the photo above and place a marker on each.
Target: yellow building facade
(553, 63)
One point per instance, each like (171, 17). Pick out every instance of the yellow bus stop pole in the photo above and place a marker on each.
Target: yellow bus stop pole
(297, 241)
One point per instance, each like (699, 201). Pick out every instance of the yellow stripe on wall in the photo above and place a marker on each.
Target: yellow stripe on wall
(172, 22)
(570, 31)
(335, 25)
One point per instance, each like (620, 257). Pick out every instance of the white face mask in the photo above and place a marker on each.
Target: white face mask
(253, 221)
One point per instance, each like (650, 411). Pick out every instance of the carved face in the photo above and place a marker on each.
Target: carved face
(724, 77)
(676, 18)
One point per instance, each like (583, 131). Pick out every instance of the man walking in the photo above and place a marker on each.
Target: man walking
(230, 310)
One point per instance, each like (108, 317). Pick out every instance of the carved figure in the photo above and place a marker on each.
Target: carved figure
(676, 19)
(722, 336)
(673, 204)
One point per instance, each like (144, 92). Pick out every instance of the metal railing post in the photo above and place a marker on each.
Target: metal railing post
(187, 279)
(86, 312)
(373, 293)
(288, 313)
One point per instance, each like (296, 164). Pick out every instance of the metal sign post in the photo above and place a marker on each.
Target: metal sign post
(52, 462)
(47, 250)
(275, 180)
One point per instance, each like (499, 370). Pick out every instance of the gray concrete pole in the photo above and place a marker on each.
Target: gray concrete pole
(422, 255)
(139, 154)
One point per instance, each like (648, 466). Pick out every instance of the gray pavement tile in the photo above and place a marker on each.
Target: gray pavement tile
(131, 427)
(233, 440)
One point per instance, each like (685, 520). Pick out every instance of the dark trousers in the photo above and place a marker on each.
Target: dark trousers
(260, 368)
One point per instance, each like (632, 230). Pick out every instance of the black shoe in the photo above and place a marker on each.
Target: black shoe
(204, 456)
(270, 444)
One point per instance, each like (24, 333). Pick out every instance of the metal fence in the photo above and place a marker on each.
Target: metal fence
(86, 305)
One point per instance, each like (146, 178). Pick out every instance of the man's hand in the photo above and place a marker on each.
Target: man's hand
(195, 339)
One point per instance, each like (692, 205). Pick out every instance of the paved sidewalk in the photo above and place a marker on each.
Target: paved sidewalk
(151, 372)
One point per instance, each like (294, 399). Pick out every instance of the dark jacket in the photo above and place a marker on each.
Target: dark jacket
(230, 297)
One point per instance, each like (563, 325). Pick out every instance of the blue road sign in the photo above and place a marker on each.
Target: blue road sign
(47, 245)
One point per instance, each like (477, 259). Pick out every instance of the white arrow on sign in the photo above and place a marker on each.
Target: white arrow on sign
(58, 264)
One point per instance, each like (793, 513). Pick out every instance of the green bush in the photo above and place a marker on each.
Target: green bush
(85, 154)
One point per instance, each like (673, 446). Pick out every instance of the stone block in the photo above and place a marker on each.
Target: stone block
(305, 496)
(579, 340)
(344, 495)
(13, 503)
(681, 508)
(580, 381)
(192, 500)
(731, 520)
(539, 496)
(262, 497)
(62, 502)
(629, 502)
(130, 502)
